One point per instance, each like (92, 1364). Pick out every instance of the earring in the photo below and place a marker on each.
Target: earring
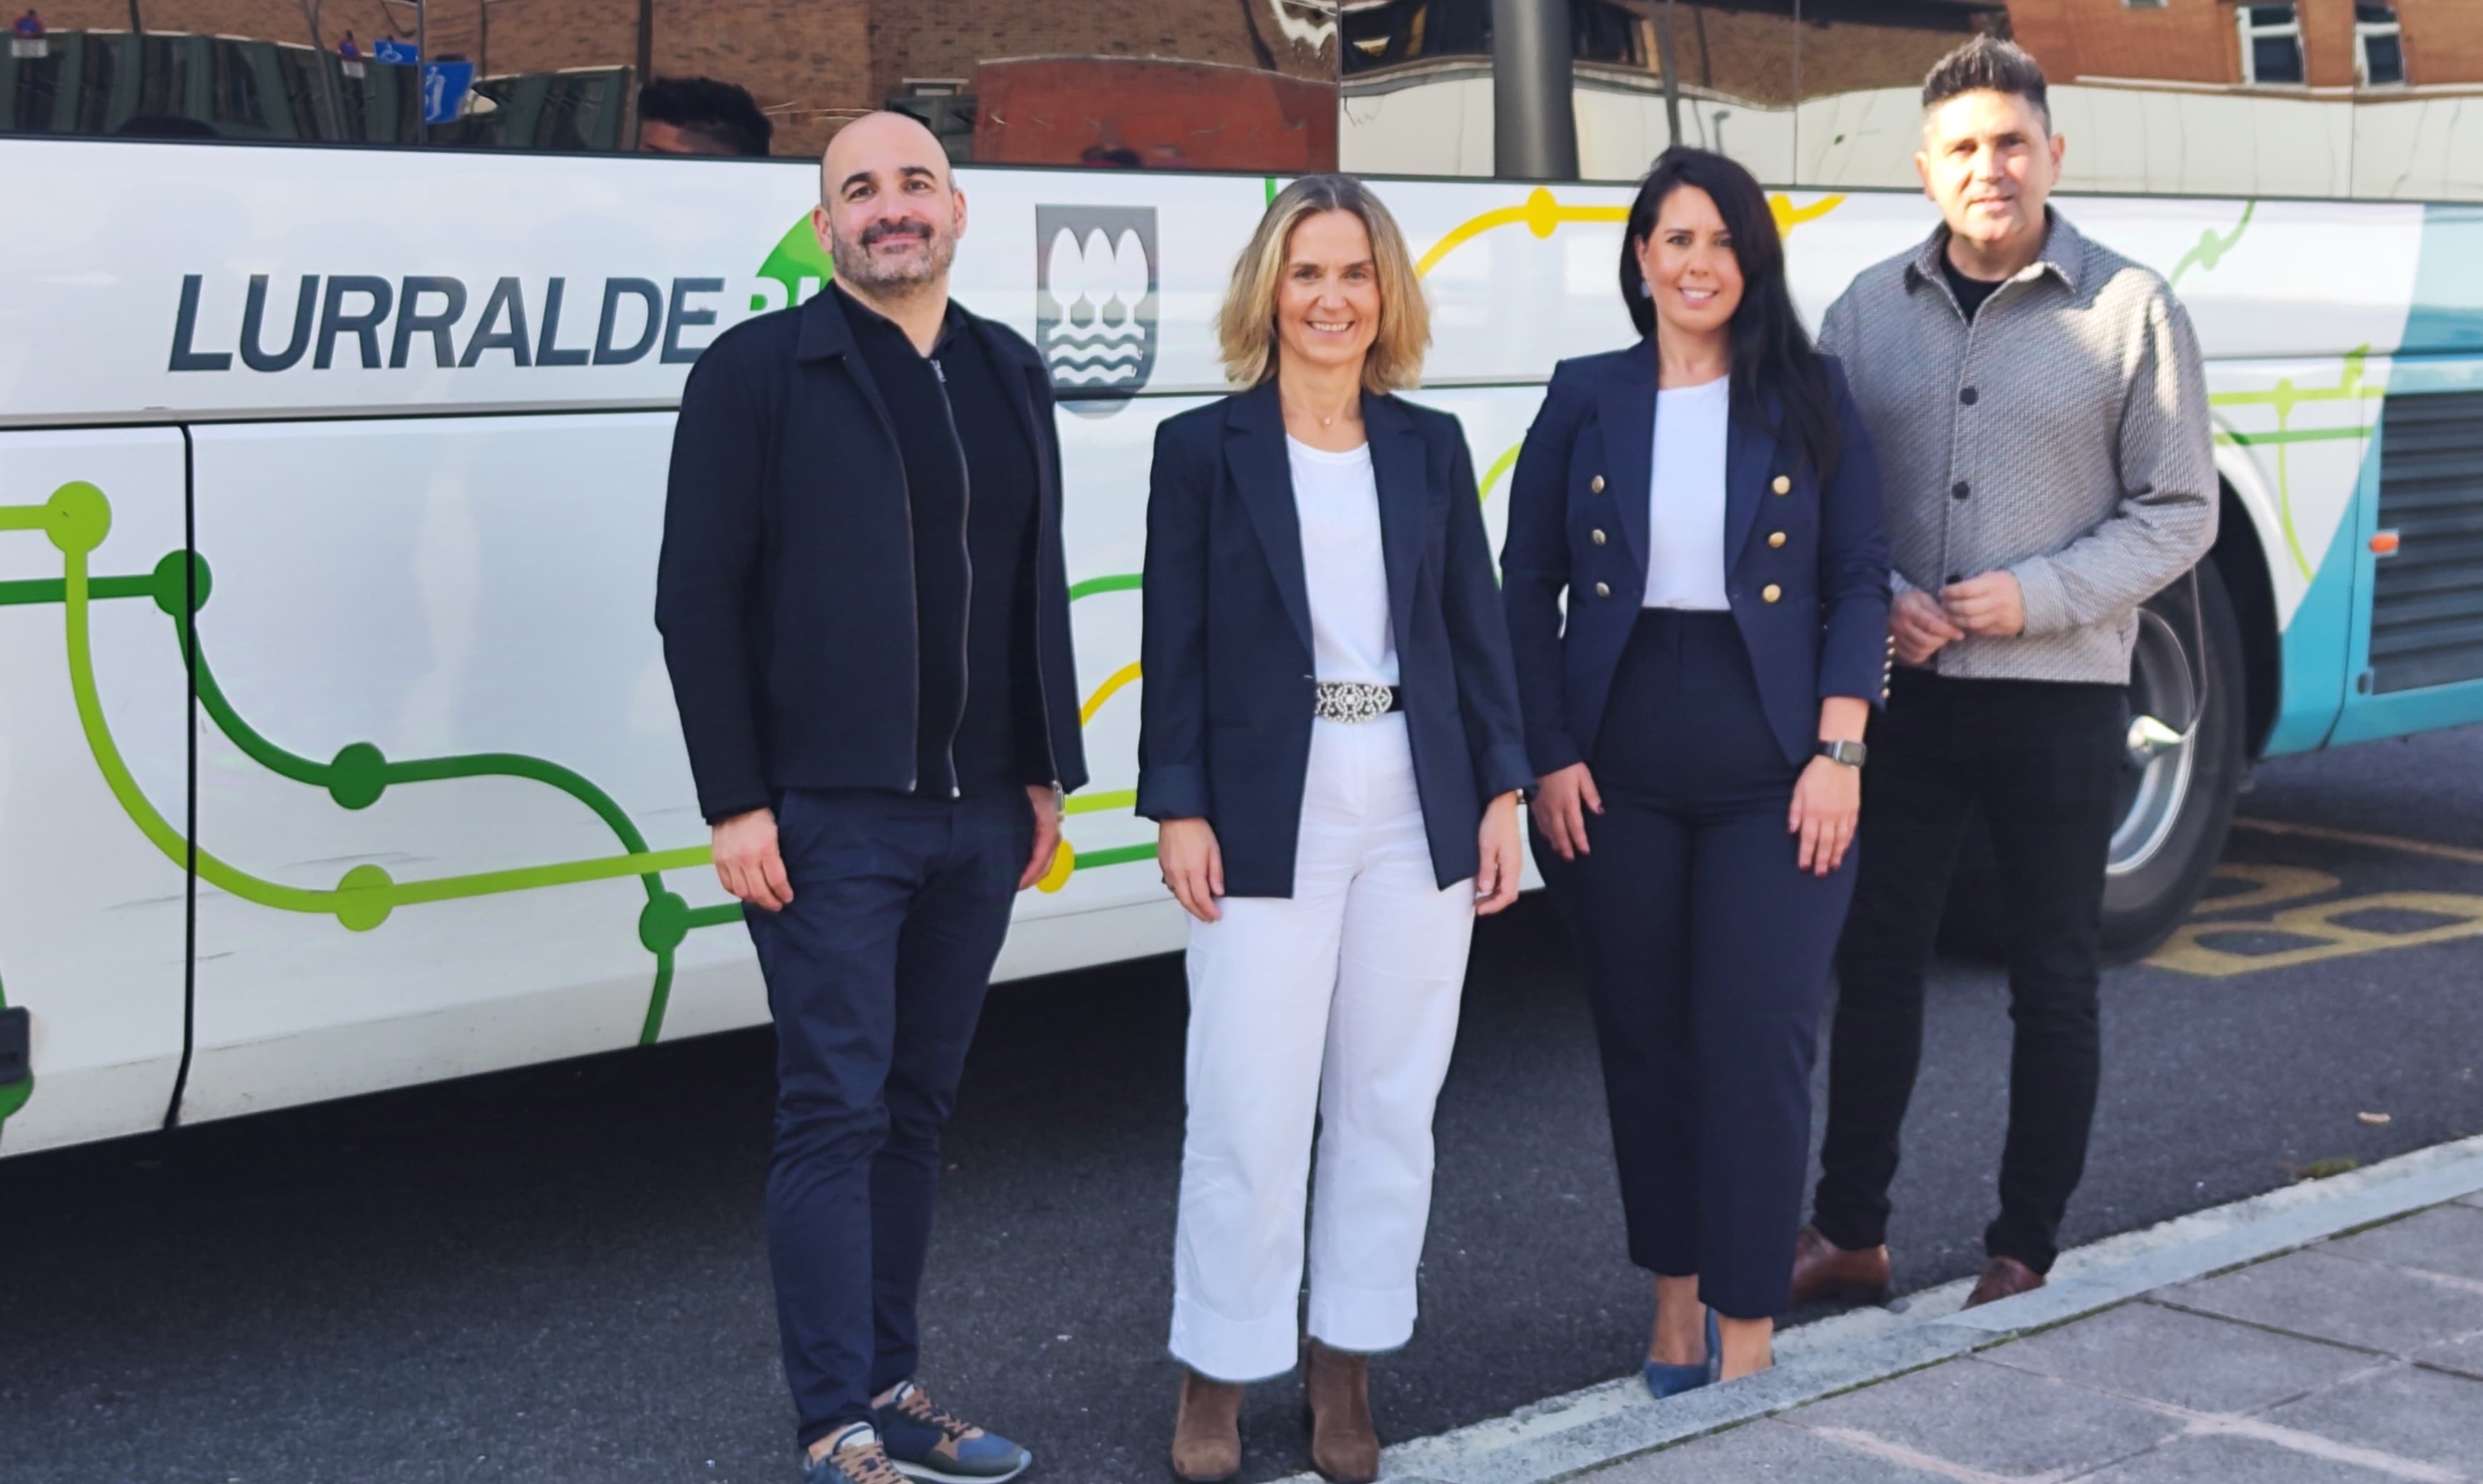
(1645, 290)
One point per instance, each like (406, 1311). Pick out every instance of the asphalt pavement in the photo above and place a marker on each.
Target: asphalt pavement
(559, 1274)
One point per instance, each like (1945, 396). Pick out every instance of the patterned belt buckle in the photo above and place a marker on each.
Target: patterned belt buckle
(1353, 701)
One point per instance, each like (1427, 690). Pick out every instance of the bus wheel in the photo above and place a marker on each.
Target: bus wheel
(2177, 794)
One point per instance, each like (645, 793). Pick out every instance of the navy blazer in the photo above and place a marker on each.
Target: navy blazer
(1805, 567)
(1226, 713)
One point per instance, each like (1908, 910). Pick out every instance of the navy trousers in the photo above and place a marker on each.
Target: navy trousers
(876, 975)
(1710, 960)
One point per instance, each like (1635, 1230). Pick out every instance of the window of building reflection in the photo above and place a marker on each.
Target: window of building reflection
(2379, 45)
(2272, 45)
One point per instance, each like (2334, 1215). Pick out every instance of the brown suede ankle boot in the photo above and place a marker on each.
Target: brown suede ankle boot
(1207, 1435)
(1345, 1447)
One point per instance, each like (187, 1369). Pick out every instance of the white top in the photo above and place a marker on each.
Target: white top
(1685, 500)
(1337, 499)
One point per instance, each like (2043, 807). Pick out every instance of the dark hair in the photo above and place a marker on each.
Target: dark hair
(720, 110)
(1987, 64)
(1770, 348)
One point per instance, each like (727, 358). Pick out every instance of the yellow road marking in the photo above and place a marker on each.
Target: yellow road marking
(2272, 884)
(2328, 939)
(2431, 848)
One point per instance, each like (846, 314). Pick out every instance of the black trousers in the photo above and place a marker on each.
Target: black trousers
(875, 974)
(1709, 960)
(2043, 762)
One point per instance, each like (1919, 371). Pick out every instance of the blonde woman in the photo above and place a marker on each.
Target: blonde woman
(1331, 750)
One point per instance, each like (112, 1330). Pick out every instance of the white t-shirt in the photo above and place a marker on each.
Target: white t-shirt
(1685, 517)
(1336, 498)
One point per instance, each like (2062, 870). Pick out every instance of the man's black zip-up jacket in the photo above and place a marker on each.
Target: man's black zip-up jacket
(786, 588)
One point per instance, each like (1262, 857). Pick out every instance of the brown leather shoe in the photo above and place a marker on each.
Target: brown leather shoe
(1821, 1268)
(1345, 1447)
(1207, 1435)
(2003, 1278)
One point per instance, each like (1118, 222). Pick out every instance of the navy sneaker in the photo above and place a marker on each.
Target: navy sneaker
(927, 1442)
(855, 1457)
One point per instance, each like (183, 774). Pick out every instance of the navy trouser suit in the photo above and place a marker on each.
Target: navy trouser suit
(1709, 946)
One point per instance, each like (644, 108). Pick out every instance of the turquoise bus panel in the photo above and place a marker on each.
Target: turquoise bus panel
(2317, 646)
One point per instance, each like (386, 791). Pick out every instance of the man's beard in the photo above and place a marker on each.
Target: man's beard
(857, 265)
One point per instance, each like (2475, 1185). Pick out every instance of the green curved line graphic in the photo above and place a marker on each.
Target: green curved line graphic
(1506, 461)
(2211, 248)
(2284, 397)
(363, 898)
(78, 516)
(1124, 582)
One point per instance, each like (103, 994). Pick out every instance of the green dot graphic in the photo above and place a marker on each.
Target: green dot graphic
(358, 776)
(362, 903)
(78, 517)
(664, 923)
(173, 578)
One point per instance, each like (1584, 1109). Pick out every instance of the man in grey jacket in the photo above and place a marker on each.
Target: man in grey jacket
(2041, 417)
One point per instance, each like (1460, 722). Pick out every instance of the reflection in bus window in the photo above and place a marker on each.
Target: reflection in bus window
(2419, 116)
(453, 72)
(1718, 73)
(1417, 88)
(1173, 84)
(2315, 99)
(700, 115)
(1647, 73)
(1247, 85)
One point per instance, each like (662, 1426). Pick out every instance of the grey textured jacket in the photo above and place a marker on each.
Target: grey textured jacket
(2061, 435)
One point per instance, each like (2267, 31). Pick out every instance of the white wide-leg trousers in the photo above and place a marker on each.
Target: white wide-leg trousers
(1339, 1003)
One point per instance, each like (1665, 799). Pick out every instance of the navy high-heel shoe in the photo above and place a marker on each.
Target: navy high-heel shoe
(1662, 1380)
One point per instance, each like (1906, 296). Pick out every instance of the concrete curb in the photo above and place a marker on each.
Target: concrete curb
(1564, 1437)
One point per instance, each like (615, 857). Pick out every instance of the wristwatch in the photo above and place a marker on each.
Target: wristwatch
(1850, 753)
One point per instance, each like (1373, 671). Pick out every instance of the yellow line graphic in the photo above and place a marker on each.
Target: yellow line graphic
(1105, 692)
(1542, 213)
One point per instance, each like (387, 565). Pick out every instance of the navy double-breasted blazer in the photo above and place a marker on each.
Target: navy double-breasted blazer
(1805, 565)
(1226, 713)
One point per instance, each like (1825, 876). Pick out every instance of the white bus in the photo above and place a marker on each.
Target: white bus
(336, 750)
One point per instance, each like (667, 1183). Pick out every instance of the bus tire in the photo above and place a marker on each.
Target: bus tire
(2174, 810)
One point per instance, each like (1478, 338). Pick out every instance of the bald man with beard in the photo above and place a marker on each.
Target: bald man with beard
(865, 615)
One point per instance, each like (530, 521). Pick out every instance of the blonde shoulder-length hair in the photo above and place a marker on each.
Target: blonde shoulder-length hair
(1245, 328)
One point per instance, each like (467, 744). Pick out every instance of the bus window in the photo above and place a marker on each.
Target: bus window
(471, 75)
(2183, 97)
(1647, 74)
(2418, 72)
(1862, 67)
(1719, 75)
(1183, 84)
(1417, 88)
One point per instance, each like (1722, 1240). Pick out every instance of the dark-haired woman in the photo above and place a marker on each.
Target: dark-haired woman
(1708, 500)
